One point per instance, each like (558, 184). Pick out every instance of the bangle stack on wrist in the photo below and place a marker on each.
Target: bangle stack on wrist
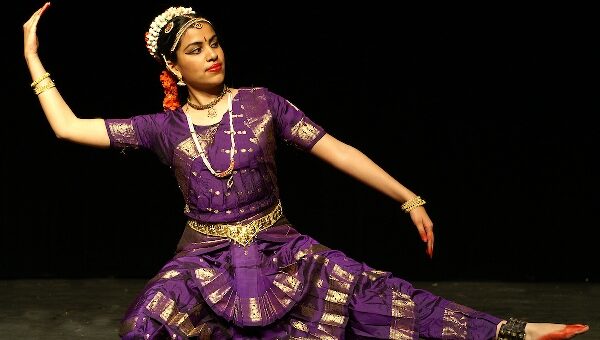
(412, 203)
(37, 88)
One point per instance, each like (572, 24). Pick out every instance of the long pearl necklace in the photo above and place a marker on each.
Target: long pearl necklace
(229, 170)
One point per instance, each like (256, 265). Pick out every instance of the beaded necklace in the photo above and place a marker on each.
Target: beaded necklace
(229, 170)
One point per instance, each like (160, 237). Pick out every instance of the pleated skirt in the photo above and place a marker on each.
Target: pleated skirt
(286, 285)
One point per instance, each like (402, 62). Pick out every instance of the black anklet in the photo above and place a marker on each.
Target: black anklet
(512, 330)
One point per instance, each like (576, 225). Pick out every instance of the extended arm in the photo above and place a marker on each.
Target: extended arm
(356, 164)
(63, 121)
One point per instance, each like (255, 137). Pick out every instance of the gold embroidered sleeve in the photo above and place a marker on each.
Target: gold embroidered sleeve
(304, 131)
(122, 133)
(292, 125)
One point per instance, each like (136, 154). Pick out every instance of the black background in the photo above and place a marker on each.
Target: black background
(484, 110)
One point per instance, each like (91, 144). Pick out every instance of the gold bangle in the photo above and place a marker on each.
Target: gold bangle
(412, 203)
(40, 89)
(39, 80)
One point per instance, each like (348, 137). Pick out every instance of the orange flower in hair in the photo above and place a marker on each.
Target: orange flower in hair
(171, 100)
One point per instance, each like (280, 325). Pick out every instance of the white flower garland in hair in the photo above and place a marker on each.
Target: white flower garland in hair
(159, 22)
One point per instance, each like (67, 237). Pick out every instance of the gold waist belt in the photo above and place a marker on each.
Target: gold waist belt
(240, 232)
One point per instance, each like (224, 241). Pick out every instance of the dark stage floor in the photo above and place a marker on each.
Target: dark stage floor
(91, 308)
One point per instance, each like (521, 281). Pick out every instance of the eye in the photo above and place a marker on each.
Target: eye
(196, 50)
(214, 44)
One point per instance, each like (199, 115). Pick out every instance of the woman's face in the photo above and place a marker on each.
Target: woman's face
(200, 58)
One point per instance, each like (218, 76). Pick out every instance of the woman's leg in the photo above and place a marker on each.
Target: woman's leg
(538, 330)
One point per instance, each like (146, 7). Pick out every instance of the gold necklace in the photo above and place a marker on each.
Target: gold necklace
(210, 106)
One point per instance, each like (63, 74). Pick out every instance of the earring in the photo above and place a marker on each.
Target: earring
(180, 81)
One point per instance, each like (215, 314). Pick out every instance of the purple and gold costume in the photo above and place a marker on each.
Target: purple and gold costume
(283, 284)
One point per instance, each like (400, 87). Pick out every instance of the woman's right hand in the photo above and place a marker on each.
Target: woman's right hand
(29, 32)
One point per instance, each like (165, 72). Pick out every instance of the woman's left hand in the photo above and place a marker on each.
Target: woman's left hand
(424, 226)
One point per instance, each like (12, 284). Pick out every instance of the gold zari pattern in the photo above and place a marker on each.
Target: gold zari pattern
(299, 325)
(455, 322)
(242, 233)
(455, 325)
(254, 308)
(165, 308)
(403, 311)
(124, 133)
(304, 131)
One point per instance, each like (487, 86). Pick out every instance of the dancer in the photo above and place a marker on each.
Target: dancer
(242, 270)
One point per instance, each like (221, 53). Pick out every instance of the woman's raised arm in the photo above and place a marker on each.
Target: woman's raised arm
(65, 124)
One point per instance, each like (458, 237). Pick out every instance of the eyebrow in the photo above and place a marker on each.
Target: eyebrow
(201, 42)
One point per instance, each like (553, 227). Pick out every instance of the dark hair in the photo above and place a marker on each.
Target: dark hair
(165, 40)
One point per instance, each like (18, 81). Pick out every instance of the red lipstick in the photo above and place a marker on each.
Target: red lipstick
(215, 67)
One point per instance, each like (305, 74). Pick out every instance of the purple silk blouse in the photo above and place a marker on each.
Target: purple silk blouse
(259, 116)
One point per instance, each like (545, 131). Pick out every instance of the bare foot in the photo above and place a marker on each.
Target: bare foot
(553, 331)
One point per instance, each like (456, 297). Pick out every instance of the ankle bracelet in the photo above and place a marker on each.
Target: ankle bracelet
(514, 329)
